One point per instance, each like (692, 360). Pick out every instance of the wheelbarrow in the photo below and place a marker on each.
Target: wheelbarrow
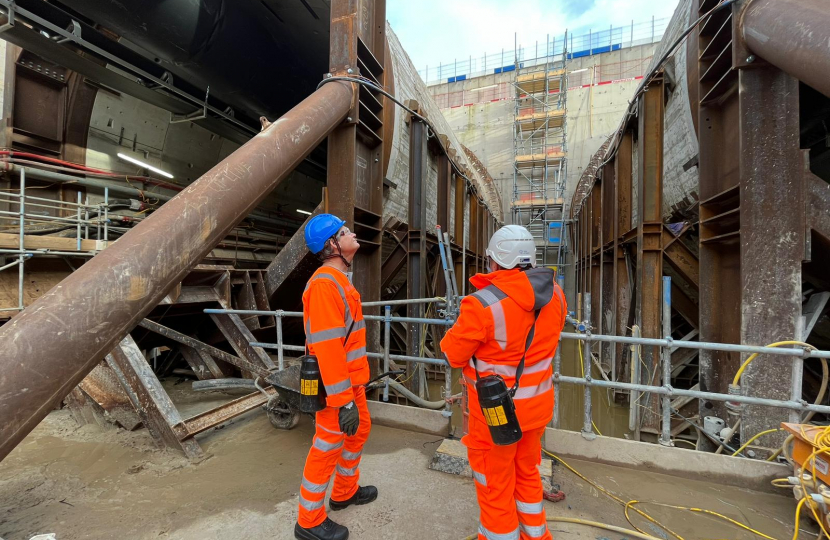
(283, 408)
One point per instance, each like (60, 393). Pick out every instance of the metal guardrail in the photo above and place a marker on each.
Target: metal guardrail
(587, 44)
(36, 210)
(666, 391)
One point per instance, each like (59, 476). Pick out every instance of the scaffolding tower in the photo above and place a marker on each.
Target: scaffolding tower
(540, 154)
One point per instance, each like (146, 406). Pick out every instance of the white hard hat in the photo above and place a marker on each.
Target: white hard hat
(512, 246)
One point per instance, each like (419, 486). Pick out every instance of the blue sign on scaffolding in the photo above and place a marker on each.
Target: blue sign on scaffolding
(555, 233)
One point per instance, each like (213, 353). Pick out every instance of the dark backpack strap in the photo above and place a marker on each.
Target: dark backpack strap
(528, 342)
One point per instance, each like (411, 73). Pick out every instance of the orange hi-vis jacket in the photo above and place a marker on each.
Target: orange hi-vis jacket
(331, 305)
(493, 326)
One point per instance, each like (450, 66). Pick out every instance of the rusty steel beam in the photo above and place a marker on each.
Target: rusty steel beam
(291, 268)
(772, 223)
(219, 354)
(202, 364)
(65, 333)
(792, 36)
(158, 413)
(649, 274)
(221, 414)
(240, 337)
(416, 264)
(609, 258)
(623, 169)
(356, 150)
(102, 387)
(681, 258)
(685, 306)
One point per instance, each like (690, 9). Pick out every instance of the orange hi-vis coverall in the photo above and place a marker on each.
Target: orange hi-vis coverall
(493, 325)
(330, 305)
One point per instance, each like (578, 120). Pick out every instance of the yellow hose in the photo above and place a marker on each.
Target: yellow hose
(753, 356)
(630, 504)
(753, 438)
(797, 517)
(612, 528)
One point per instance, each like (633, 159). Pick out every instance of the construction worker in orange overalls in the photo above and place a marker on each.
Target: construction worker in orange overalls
(514, 318)
(336, 334)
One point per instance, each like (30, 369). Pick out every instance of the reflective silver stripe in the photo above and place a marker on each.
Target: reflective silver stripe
(311, 505)
(470, 381)
(538, 367)
(486, 297)
(320, 444)
(325, 335)
(314, 488)
(342, 471)
(329, 430)
(499, 325)
(355, 354)
(529, 508)
(534, 531)
(350, 455)
(489, 535)
(335, 389)
(533, 391)
(485, 368)
(359, 325)
(348, 317)
(480, 478)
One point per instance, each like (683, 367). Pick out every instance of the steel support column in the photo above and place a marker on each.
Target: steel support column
(608, 258)
(96, 306)
(416, 266)
(622, 291)
(649, 232)
(772, 236)
(460, 222)
(356, 149)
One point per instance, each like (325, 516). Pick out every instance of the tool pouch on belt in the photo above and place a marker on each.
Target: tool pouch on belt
(312, 389)
(496, 400)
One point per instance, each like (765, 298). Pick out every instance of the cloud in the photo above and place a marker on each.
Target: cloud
(445, 31)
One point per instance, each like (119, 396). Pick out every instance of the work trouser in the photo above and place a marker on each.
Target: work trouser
(332, 451)
(508, 484)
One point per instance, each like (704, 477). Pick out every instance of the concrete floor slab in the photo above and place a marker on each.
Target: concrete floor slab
(96, 483)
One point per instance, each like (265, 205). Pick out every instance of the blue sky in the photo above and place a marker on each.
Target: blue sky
(434, 31)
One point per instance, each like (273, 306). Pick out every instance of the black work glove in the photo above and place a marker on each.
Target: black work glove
(349, 418)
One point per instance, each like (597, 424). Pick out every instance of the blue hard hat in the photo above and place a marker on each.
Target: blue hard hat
(319, 229)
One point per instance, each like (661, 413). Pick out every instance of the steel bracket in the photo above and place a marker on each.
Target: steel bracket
(74, 29)
(10, 23)
(193, 116)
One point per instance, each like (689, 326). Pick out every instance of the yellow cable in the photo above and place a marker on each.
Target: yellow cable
(630, 504)
(627, 532)
(704, 511)
(753, 356)
(615, 498)
(582, 368)
(797, 517)
(753, 438)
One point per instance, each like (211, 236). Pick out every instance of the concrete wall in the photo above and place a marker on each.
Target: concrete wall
(594, 112)
(121, 123)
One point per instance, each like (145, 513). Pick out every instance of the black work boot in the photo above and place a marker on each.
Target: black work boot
(364, 495)
(327, 530)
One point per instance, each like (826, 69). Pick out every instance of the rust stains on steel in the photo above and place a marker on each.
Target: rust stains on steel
(51, 346)
(223, 413)
(792, 36)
